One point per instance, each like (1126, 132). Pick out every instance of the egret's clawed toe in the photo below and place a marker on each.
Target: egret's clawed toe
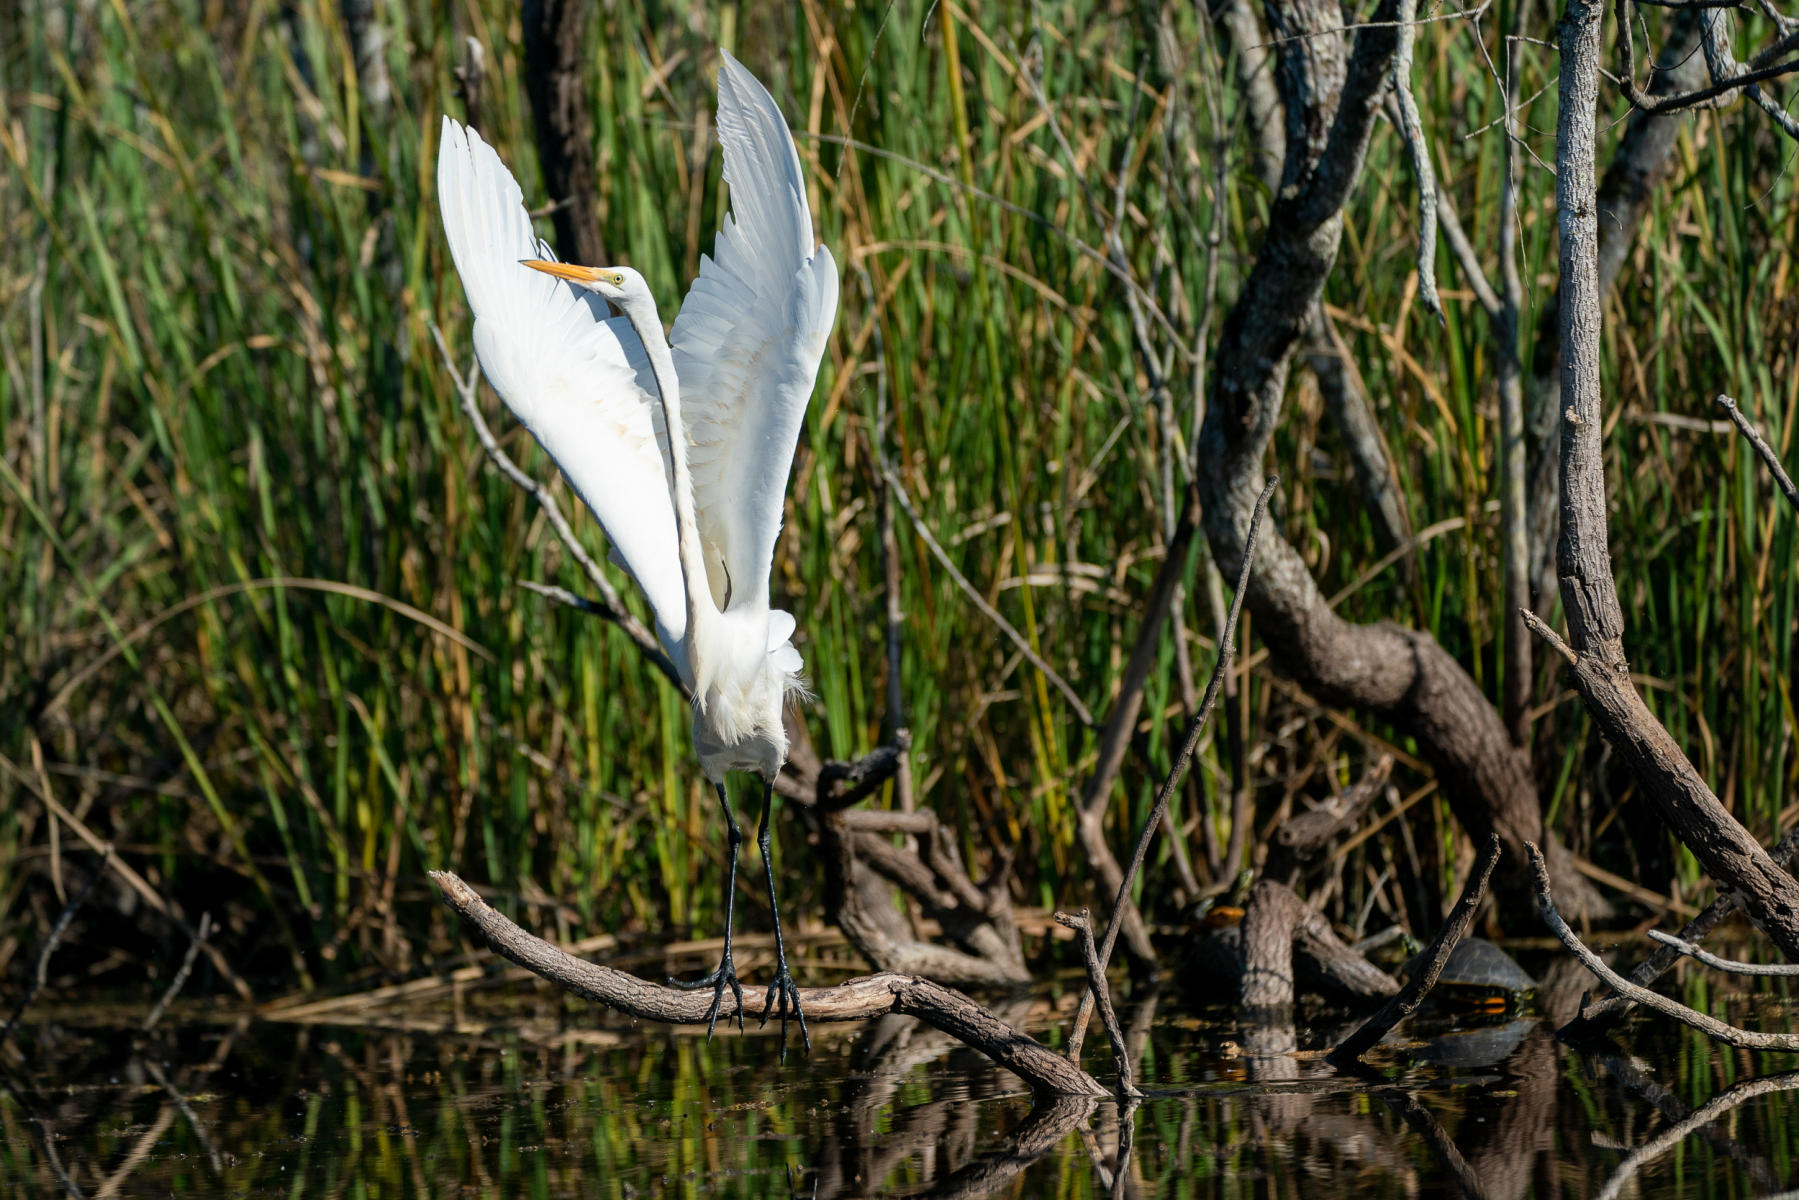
(725, 976)
(786, 994)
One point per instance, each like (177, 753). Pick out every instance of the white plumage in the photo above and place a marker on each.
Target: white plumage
(745, 353)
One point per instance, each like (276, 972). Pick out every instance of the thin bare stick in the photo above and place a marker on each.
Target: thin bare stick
(42, 975)
(1704, 1115)
(987, 610)
(187, 965)
(609, 605)
(854, 1000)
(1227, 640)
(1082, 923)
(1734, 966)
(1760, 444)
(1411, 129)
(1424, 978)
(1711, 1027)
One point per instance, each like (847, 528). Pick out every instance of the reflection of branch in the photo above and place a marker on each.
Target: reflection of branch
(1455, 927)
(1710, 1026)
(1720, 1104)
(856, 1000)
(1425, 1122)
(1040, 1132)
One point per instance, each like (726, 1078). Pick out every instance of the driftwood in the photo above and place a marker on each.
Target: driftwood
(1430, 964)
(856, 1000)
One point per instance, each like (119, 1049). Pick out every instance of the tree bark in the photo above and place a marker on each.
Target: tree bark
(1583, 559)
(555, 51)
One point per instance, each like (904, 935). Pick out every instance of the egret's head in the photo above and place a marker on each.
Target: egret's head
(616, 284)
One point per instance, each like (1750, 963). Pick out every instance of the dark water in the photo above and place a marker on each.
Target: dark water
(559, 1102)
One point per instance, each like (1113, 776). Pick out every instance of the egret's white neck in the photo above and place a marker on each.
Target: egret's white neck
(640, 310)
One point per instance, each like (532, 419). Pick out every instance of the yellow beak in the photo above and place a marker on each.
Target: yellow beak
(568, 271)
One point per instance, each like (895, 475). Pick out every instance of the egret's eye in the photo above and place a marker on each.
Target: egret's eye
(618, 279)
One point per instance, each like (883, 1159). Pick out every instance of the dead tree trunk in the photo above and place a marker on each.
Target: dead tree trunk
(555, 50)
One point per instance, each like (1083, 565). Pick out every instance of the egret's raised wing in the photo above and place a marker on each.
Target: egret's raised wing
(579, 380)
(748, 341)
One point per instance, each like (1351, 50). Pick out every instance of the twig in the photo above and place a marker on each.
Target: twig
(1675, 101)
(1714, 1108)
(1711, 1027)
(610, 605)
(1411, 129)
(1227, 639)
(187, 965)
(1760, 444)
(987, 610)
(1082, 923)
(1734, 966)
(890, 556)
(855, 1000)
(1455, 927)
(41, 976)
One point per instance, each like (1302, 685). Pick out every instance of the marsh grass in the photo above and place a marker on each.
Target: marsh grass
(221, 263)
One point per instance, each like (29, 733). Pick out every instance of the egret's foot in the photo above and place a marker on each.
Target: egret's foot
(724, 976)
(786, 994)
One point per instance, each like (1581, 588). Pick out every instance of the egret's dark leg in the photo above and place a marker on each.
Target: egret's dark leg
(726, 974)
(783, 988)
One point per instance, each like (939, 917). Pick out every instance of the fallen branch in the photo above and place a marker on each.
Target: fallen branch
(1711, 1027)
(1455, 928)
(1599, 1017)
(855, 1000)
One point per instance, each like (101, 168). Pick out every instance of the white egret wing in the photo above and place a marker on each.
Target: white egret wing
(578, 379)
(748, 341)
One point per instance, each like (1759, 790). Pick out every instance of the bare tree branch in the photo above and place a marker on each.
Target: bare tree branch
(1711, 1027)
(856, 1000)
(1761, 447)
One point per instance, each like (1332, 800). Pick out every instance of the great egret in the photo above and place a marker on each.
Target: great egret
(681, 451)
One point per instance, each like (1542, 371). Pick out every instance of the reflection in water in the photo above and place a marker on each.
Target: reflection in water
(891, 1108)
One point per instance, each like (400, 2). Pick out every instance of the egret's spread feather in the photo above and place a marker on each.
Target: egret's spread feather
(578, 379)
(747, 345)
